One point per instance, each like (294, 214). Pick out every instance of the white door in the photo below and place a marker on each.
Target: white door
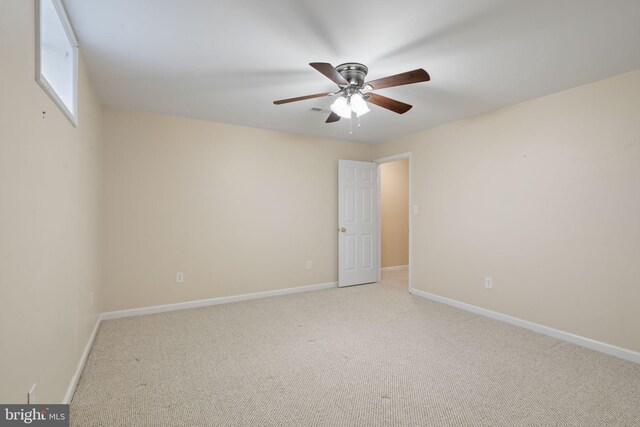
(357, 222)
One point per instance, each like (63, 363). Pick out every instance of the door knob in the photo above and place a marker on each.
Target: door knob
(343, 230)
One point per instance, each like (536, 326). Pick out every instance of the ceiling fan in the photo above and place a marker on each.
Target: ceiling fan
(354, 92)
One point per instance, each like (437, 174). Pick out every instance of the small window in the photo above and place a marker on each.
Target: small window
(57, 57)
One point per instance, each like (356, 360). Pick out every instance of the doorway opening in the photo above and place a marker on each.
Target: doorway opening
(395, 219)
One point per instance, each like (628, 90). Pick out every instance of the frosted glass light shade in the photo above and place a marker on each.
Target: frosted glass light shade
(359, 105)
(341, 107)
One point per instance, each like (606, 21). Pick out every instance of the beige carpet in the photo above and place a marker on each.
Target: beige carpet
(369, 355)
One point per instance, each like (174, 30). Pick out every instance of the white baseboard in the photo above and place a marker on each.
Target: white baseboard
(83, 359)
(178, 306)
(395, 268)
(566, 336)
(609, 349)
(212, 301)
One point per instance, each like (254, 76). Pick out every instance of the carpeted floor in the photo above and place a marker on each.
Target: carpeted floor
(369, 355)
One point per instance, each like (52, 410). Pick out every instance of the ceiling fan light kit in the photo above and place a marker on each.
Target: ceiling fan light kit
(346, 105)
(354, 92)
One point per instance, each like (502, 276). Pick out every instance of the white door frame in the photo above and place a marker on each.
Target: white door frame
(408, 155)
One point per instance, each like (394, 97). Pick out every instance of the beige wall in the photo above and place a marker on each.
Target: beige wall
(394, 213)
(238, 210)
(50, 192)
(544, 197)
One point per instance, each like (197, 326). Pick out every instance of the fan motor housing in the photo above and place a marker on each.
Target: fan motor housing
(353, 72)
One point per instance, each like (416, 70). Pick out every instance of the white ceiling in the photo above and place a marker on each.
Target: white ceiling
(227, 60)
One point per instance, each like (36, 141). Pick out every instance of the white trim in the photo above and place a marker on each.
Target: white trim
(401, 156)
(609, 349)
(83, 359)
(393, 158)
(173, 307)
(395, 268)
(212, 301)
(566, 336)
(40, 79)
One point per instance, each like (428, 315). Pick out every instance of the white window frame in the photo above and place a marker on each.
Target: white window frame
(42, 81)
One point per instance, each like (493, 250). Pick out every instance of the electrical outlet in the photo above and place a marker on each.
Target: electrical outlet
(309, 265)
(31, 395)
(488, 282)
(179, 277)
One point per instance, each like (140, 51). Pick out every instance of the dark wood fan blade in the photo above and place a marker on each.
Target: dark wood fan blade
(301, 98)
(333, 117)
(415, 76)
(388, 103)
(329, 71)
